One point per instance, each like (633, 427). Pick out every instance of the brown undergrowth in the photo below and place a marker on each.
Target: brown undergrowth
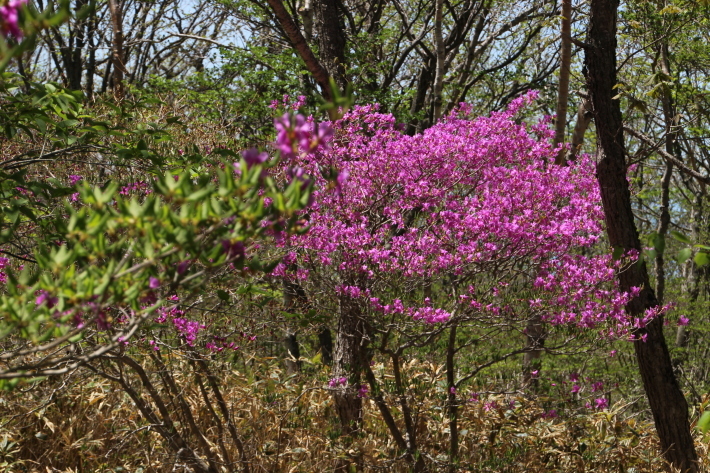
(80, 423)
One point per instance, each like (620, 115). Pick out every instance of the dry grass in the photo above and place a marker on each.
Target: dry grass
(82, 424)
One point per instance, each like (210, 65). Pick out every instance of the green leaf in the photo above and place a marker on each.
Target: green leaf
(704, 422)
(617, 253)
(680, 237)
(701, 259)
(658, 242)
(684, 254)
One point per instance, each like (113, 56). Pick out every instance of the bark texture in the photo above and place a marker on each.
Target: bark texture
(668, 405)
(320, 74)
(584, 118)
(350, 360)
(440, 58)
(563, 89)
(117, 50)
(331, 39)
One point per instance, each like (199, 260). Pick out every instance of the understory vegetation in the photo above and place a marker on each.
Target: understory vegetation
(354, 236)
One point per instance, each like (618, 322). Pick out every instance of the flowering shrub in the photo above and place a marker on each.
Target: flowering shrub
(181, 233)
(9, 18)
(466, 198)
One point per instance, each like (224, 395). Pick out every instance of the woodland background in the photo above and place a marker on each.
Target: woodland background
(106, 100)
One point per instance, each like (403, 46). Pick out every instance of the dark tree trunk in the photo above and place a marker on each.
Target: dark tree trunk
(584, 118)
(563, 89)
(331, 39)
(669, 407)
(535, 344)
(293, 352)
(691, 285)
(350, 359)
(423, 82)
(314, 66)
(117, 56)
(325, 341)
(294, 300)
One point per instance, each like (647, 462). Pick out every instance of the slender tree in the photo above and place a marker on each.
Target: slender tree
(667, 402)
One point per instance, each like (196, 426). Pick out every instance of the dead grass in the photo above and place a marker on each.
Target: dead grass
(83, 424)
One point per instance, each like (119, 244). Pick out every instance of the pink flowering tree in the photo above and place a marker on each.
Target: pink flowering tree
(465, 229)
(19, 24)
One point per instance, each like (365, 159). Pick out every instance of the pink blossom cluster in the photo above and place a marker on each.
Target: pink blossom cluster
(601, 404)
(467, 197)
(142, 187)
(186, 328)
(220, 344)
(3, 264)
(73, 179)
(296, 134)
(363, 390)
(335, 382)
(10, 18)
(286, 103)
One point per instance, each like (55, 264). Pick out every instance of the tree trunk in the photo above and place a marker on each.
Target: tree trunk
(691, 285)
(294, 300)
(117, 59)
(584, 118)
(350, 358)
(661, 232)
(668, 405)
(535, 344)
(331, 39)
(325, 342)
(563, 89)
(320, 74)
(440, 59)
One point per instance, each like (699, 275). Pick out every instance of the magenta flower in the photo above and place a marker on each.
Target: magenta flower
(341, 180)
(575, 389)
(188, 329)
(683, 320)
(182, 266)
(362, 391)
(44, 297)
(10, 18)
(290, 132)
(102, 322)
(3, 264)
(601, 403)
(254, 157)
(153, 283)
(233, 249)
(598, 386)
(335, 382)
(489, 406)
